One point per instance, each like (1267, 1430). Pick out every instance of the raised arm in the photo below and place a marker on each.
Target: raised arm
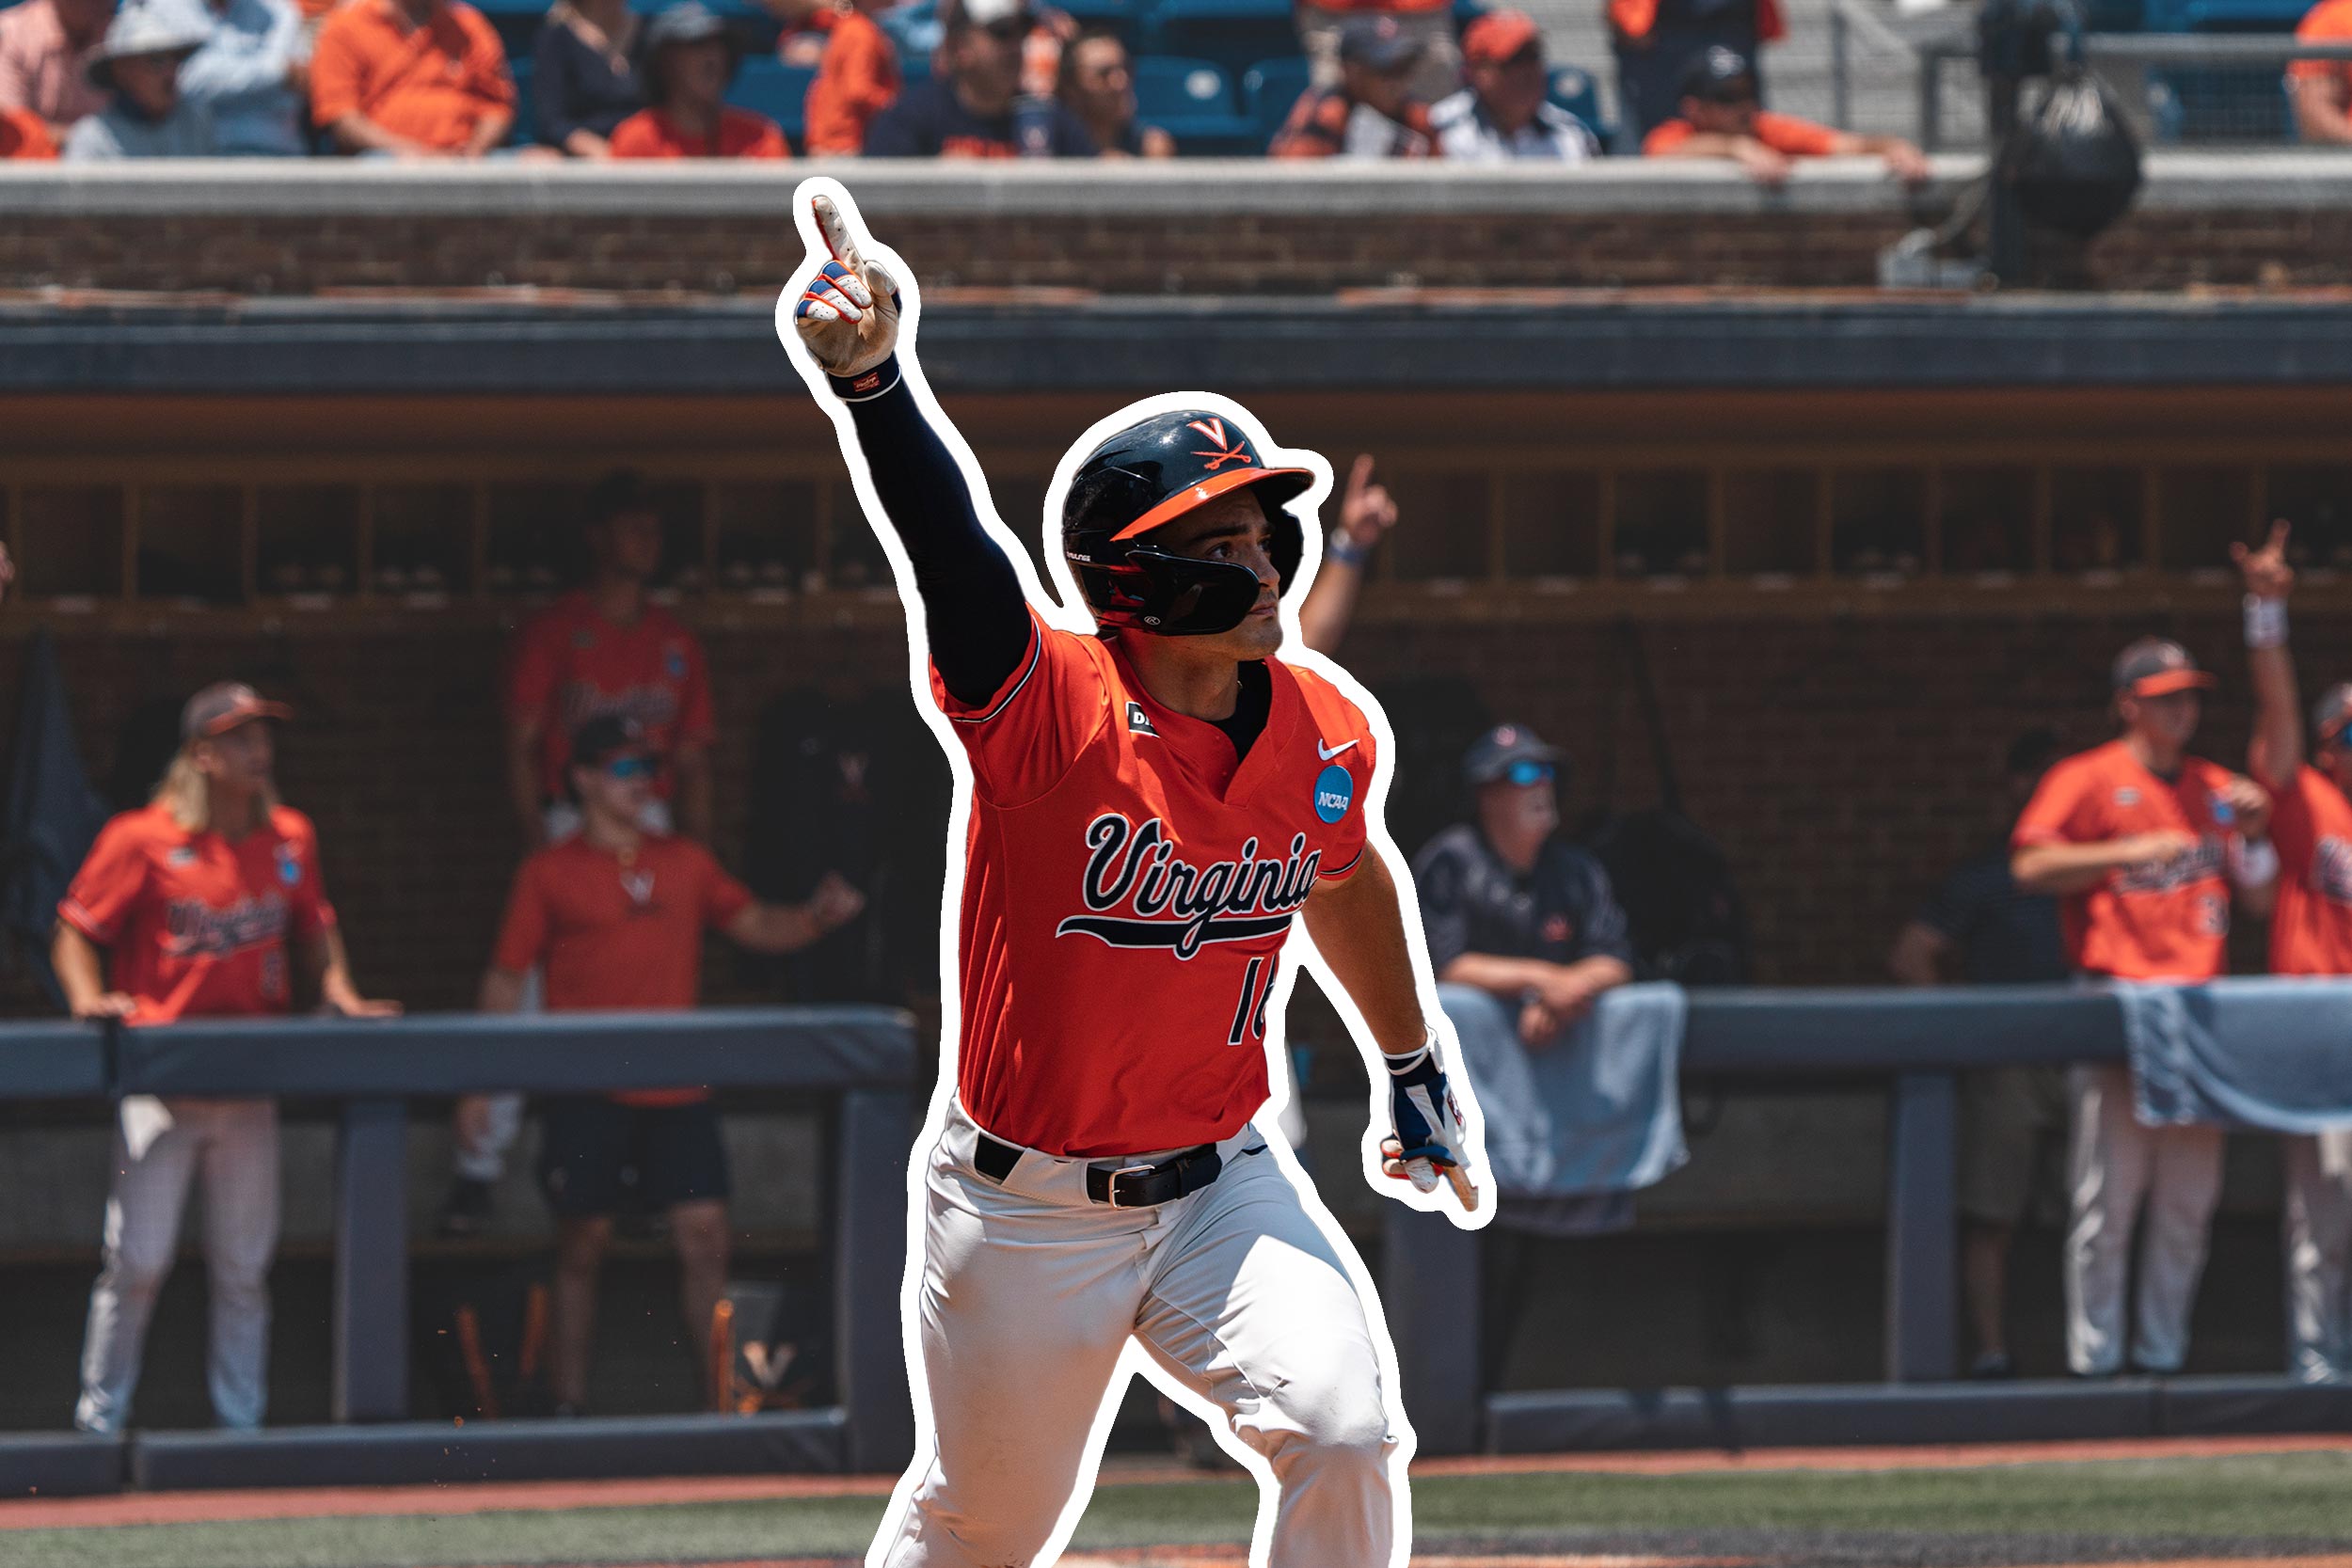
(2275, 752)
(973, 615)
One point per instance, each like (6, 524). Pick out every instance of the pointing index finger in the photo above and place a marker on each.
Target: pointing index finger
(1358, 475)
(835, 232)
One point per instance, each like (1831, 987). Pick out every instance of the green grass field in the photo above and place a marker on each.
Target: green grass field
(2109, 1509)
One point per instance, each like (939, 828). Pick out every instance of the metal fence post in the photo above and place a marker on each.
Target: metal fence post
(371, 1324)
(1429, 1293)
(869, 1256)
(1922, 1337)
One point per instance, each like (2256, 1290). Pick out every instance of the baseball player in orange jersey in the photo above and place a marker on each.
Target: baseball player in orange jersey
(198, 901)
(1150, 800)
(2311, 933)
(2133, 838)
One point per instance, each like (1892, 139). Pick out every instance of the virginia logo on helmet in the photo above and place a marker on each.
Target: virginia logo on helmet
(1233, 451)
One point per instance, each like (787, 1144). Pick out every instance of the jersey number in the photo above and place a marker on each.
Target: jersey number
(1249, 1015)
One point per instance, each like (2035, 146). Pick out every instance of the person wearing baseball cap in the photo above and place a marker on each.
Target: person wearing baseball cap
(975, 108)
(2311, 935)
(1505, 112)
(205, 903)
(690, 60)
(137, 66)
(1525, 933)
(2141, 843)
(1371, 111)
(1722, 117)
(1435, 67)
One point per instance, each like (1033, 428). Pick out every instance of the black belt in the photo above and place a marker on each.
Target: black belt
(1139, 1186)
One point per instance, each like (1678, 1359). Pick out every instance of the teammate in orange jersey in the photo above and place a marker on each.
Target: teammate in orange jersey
(2311, 933)
(1151, 807)
(2135, 837)
(204, 903)
(614, 915)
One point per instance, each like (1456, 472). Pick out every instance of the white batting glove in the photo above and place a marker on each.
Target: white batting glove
(849, 314)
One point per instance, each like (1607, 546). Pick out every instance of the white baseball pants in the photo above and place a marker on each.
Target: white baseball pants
(1030, 1293)
(161, 1145)
(2116, 1166)
(2318, 1245)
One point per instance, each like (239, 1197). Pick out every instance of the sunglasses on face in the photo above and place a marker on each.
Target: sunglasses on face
(625, 769)
(1525, 773)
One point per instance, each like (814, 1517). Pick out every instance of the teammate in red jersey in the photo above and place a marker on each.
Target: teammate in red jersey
(202, 903)
(2311, 934)
(2134, 837)
(1149, 807)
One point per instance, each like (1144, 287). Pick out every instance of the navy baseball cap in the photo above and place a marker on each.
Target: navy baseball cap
(2156, 666)
(222, 707)
(1492, 756)
(1377, 43)
(1719, 75)
(598, 741)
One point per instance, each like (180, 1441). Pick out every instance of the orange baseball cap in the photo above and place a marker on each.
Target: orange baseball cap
(1499, 35)
(2156, 666)
(222, 707)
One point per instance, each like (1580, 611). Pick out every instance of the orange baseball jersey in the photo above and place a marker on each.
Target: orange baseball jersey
(571, 665)
(615, 934)
(1127, 891)
(2311, 929)
(193, 924)
(2142, 922)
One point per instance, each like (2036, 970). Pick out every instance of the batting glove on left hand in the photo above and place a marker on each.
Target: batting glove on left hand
(849, 315)
(1431, 1140)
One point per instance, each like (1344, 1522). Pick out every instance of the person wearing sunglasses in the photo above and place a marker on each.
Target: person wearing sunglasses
(2311, 934)
(1525, 932)
(975, 107)
(614, 918)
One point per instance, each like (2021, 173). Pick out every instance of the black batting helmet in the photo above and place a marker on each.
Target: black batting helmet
(1148, 475)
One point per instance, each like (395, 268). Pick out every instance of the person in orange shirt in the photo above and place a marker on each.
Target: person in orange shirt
(412, 79)
(858, 80)
(2311, 934)
(690, 59)
(24, 134)
(205, 903)
(2322, 90)
(1722, 118)
(2133, 838)
(616, 917)
(1656, 42)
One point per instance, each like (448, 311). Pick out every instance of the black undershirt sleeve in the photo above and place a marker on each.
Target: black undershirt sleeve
(973, 609)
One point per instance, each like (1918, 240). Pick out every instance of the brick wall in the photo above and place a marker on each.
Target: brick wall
(1843, 762)
(1310, 253)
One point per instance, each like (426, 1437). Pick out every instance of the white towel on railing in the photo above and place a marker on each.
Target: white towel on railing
(2274, 1054)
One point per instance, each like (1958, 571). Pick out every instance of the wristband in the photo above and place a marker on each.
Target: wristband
(867, 385)
(2254, 864)
(1399, 1066)
(1344, 550)
(2266, 622)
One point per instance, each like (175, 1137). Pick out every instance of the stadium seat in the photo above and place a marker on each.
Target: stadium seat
(1227, 33)
(1269, 91)
(1193, 102)
(1125, 17)
(768, 87)
(1573, 89)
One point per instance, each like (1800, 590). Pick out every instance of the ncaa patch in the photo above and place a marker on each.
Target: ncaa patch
(673, 661)
(289, 865)
(1335, 791)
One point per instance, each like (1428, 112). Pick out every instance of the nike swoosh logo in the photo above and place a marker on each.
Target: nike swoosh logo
(1327, 752)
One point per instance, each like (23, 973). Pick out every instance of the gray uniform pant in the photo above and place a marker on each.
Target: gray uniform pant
(160, 1147)
(2318, 1226)
(1028, 1298)
(2116, 1165)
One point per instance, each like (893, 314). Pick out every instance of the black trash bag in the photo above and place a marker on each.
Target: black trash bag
(2074, 162)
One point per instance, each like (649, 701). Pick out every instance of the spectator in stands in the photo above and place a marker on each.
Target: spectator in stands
(1524, 930)
(1436, 69)
(583, 75)
(205, 901)
(45, 51)
(1722, 119)
(1372, 112)
(252, 75)
(2141, 842)
(806, 27)
(2322, 90)
(1366, 514)
(615, 915)
(1981, 928)
(690, 60)
(24, 134)
(1656, 41)
(1506, 112)
(139, 67)
(412, 79)
(603, 650)
(858, 80)
(1097, 85)
(977, 108)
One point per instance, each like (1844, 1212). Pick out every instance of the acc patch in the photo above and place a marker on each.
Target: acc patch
(1139, 721)
(2127, 795)
(1335, 791)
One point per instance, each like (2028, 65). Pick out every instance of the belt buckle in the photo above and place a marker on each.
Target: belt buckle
(1144, 1169)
